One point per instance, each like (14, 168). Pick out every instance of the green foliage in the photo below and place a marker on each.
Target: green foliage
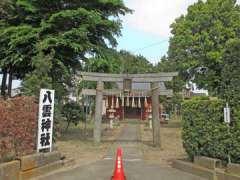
(39, 77)
(198, 98)
(166, 65)
(230, 79)
(6, 9)
(73, 113)
(61, 32)
(200, 38)
(101, 65)
(177, 84)
(112, 61)
(133, 64)
(17, 48)
(205, 133)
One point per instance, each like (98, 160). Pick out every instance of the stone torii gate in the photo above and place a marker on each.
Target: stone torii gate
(127, 80)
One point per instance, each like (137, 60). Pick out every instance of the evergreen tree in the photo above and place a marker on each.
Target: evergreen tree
(199, 41)
(65, 30)
(230, 77)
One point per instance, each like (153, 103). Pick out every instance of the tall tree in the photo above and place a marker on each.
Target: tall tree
(66, 30)
(113, 61)
(133, 64)
(177, 84)
(166, 65)
(199, 40)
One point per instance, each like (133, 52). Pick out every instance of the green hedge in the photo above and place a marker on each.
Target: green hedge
(205, 133)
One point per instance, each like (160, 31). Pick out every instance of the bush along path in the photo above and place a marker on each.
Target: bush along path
(206, 134)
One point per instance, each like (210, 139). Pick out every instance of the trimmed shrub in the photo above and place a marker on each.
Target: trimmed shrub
(205, 133)
(18, 127)
(72, 111)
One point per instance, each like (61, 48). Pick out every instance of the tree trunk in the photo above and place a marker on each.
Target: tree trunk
(68, 123)
(10, 83)
(4, 81)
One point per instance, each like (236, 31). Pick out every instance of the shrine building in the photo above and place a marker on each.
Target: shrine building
(131, 104)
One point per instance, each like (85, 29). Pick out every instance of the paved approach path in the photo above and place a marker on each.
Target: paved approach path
(135, 167)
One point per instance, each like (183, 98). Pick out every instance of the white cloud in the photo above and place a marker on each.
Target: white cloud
(155, 16)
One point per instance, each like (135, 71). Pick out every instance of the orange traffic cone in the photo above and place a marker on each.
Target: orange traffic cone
(119, 172)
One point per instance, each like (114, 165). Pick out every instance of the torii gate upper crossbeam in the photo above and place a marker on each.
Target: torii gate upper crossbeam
(154, 77)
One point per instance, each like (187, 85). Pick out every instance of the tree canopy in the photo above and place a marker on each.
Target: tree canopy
(230, 77)
(134, 64)
(113, 61)
(65, 30)
(200, 39)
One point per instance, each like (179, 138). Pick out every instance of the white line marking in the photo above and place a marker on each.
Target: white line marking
(127, 160)
(132, 160)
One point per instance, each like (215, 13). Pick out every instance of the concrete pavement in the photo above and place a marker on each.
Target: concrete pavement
(134, 165)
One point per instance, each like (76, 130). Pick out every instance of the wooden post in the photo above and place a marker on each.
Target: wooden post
(155, 114)
(127, 84)
(98, 112)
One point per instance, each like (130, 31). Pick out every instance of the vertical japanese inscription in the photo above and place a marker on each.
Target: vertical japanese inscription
(45, 119)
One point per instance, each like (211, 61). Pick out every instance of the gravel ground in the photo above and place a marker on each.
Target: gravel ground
(74, 144)
(171, 149)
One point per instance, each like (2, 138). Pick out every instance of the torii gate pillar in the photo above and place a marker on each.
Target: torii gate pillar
(98, 112)
(155, 114)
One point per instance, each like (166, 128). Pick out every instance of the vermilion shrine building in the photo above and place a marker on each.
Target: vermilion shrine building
(131, 105)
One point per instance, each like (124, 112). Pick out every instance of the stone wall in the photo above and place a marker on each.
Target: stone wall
(27, 167)
(209, 168)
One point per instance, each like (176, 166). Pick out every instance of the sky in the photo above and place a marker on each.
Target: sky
(147, 30)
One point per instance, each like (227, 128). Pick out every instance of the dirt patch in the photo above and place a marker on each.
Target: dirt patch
(78, 144)
(172, 148)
